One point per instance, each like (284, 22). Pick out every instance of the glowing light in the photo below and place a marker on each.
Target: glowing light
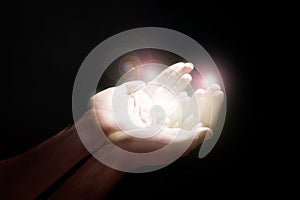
(127, 66)
(128, 63)
(92, 136)
(145, 72)
(210, 79)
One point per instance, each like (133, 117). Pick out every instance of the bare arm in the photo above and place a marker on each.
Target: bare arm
(30, 173)
(92, 181)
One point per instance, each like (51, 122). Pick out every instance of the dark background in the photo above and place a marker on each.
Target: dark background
(47, 42)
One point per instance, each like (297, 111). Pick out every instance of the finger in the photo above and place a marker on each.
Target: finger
(140, 110)
(180, 110)
(173, 73)
(209, 118)
(185, 103)
(196, 109)
(212, 88)
(167, 72)
(198, 93)
(217, 102)
(175, 117)
(176, 74)
(201, 104)
(209, 91)
(189, 122)
(182, 83)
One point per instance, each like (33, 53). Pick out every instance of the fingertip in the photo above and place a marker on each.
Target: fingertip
(199, 91)
(214, 87)
(218, 94)
(190, 65)
(187, 67)
(177, 65)
(208, 134)
(187, 77)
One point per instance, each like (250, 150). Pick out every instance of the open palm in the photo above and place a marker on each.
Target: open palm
(143, 117)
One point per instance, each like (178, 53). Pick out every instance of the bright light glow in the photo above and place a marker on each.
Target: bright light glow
(210, 79)
(145, 72)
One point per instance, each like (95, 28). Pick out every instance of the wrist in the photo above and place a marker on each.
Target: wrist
(90, 132)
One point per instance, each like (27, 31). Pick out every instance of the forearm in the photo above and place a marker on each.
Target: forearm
(30, 173)
(93, 180)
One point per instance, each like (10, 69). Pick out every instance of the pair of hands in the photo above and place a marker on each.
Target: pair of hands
(137, 117)
(143, 117)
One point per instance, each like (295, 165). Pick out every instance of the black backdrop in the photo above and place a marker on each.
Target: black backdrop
(47, 43)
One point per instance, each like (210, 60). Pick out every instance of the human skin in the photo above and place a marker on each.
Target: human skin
(29, 174)
(196, 123)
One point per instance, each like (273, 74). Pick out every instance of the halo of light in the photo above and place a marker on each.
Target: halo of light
(94, 66)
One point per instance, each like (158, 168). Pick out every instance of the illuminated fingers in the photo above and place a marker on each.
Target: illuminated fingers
(197, 106)
(172, 74)
(214, 98)
(204, 107)
(177, 74)
(201, 103)
(182, 83)
(167, 72)
(168, 91)
(189, 122)
(217, 101)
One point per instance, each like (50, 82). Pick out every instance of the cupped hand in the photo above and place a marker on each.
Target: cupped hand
(143, 117)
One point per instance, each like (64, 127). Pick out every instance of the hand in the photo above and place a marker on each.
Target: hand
(136, 103)
(128, 114)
